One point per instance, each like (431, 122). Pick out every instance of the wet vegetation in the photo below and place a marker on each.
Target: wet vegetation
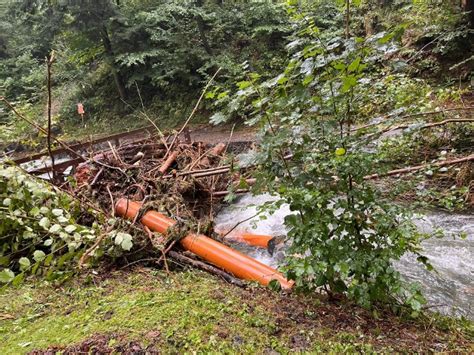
(151, 310)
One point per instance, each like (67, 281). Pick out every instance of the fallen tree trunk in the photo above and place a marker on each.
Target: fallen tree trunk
(419, 167)
(206, 267)
(369, 177)
(428, 125)
(431, 113)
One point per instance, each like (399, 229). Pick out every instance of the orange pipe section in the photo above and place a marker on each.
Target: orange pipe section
(231, 260)
(257, 240)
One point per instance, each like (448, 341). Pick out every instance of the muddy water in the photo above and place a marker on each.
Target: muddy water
(449, 290)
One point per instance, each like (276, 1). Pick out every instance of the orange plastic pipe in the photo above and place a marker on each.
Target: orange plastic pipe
(231, 260)
(257, 240)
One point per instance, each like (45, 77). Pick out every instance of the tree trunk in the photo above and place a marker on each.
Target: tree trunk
(202, 30)
(122, 91)
(468, 5)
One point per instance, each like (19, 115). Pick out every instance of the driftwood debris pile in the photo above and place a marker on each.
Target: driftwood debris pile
(181, 180)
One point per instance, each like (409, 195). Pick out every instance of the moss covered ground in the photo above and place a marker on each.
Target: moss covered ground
(191, 311)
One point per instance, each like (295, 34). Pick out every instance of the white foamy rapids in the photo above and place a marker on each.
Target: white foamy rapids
(449, 289)
(245, 207)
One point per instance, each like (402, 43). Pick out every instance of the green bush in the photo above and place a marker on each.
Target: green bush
(41, 231)
(343, 235)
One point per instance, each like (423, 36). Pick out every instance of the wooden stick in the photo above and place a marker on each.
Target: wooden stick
(149, 119)
(199, 171)
(372, 176)
(419, 167)
(225, 193)
(216, 150)
(229, 140)
(429, 125)
(192, 113)
(49, 64)
(211, 173)
(166, 165)
(87, 253)
(61, 143)
(166, 251)
(206, 267)
(97, 176)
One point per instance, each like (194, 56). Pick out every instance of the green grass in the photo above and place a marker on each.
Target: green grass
(180, 308)
(185, 311)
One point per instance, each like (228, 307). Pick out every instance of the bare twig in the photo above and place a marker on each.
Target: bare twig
(211, 173)
(225, 193)
(430, 125)
(424, 47)
(164, 252)
(239, 223)
(112, 203)
(193, 112)
(224, 167)
(97, 176)
(230, 139)
(39, 128)
(87, 253)
(430, 113)
(193, 164)
(206, 267)
(149, 119)
(49, 64)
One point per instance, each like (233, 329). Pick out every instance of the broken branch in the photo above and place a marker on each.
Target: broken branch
(206, 267)
(192, 113)
(419, 167)
(166, 165)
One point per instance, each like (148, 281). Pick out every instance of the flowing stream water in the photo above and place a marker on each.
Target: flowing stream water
(449, 289)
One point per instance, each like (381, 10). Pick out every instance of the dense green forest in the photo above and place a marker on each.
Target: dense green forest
(355, 115)
(107, 53)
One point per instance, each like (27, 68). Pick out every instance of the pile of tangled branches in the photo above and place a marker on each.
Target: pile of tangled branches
(176, 181)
